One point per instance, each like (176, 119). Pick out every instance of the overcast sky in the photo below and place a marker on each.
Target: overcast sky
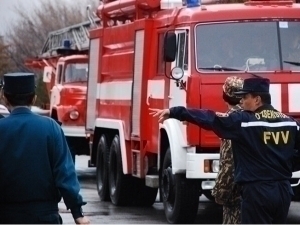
(7, 12)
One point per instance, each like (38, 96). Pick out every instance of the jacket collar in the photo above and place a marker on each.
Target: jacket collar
(20, 110)
(237, 107)
(263, 107)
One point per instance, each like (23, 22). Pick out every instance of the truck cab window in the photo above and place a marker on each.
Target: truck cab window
(251, 46)
(160, 52)
(59, 73)
(182, 52)
(290, 45)
(76, 72)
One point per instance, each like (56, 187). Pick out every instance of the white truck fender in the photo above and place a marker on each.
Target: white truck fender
(116, 125)
(178, 144)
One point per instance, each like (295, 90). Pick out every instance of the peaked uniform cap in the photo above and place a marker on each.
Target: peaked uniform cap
(254, 85)
(19, 83)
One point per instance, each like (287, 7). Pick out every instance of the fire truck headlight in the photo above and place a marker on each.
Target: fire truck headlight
(215, 166)
(177, 73)
(74, 115)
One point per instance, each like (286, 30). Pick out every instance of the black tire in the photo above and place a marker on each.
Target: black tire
(207, 194)
(72, 148)
(78, 146)
(144, 196)
(119, 184)
(180, 195)
(102, 169)
(296, 196)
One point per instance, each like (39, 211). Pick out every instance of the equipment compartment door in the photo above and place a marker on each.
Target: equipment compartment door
(93, 85)
(137, 82)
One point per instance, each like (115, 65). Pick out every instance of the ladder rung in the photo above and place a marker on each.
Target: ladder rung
(77, 34)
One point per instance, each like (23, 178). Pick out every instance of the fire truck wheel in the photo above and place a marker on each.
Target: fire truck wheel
(144, 196)
(180, 195)
(70, 141)
(296, 196)
(207, 194)
(119, 184)
(102, 169)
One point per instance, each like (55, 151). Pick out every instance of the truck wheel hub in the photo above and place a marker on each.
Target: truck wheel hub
(168, 184)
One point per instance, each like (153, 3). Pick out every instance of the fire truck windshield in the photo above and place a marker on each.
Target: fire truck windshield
(250, 46)
(76, 72)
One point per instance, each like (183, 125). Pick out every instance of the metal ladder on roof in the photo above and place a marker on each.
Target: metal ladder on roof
(77, 36)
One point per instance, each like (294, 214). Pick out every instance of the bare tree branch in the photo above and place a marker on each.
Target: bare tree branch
(27, 35)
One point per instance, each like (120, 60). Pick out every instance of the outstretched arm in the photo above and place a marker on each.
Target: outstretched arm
(225, 126)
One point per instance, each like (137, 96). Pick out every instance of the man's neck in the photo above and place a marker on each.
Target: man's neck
(230, 106)
(258, 106)
(19, 106)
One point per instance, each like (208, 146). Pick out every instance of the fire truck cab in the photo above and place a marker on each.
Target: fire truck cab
(159, 54)
(68, 99)
(64, 62)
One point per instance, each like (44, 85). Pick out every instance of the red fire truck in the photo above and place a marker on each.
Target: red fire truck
(64, 61)
(159, 54)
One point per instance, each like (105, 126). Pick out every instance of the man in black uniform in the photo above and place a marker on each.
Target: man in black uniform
(263, 144)
(36, 167)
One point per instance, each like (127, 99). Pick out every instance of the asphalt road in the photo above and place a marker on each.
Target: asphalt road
(107, 213)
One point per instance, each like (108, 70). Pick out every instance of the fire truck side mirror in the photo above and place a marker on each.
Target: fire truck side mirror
(170, 46)
(47, 74)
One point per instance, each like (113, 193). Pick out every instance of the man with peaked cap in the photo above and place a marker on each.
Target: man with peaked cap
(263, 143)
(36, 167)
(226, 192)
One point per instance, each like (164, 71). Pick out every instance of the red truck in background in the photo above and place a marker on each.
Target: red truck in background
(159, 54)
(64, 62)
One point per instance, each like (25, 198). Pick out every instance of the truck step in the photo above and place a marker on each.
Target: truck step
(152, 181)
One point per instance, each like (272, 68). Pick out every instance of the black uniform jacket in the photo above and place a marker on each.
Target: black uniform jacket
(263, 142)
(36, 166)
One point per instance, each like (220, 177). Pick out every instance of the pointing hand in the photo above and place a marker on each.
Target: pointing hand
(82, 220)
(162, 114)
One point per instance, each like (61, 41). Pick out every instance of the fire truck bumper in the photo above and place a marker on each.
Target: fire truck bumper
(74, 131)
(196, 165)
(296, 179)
(195, 169)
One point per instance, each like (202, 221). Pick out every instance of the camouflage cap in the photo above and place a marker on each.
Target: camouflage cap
(232, 84)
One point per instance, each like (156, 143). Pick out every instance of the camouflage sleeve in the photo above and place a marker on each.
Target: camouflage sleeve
(224, 190)
(224, 180)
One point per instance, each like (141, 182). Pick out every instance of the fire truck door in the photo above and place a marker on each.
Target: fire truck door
(55, 91)
(177, 95)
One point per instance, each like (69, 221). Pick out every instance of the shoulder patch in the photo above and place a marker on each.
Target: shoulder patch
(219, 114)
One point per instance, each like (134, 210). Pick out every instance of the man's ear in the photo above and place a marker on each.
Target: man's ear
(258, 99)
(5, 100)
(34, 100)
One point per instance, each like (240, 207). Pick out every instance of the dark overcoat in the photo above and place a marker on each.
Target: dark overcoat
(36, 167)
